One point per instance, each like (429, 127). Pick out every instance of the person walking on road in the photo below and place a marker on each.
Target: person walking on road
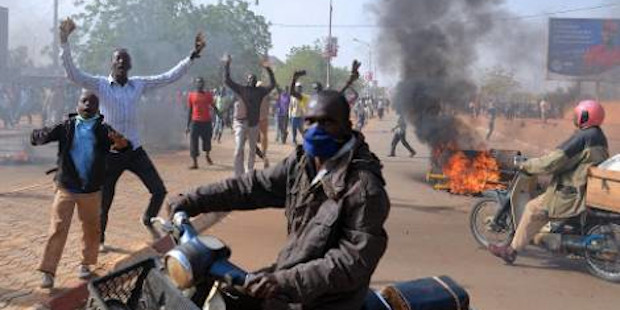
(282, 106)
(250, 98)
(199, 125)
(119, 95)
(492, 114)
(400, 135)
(84, 142)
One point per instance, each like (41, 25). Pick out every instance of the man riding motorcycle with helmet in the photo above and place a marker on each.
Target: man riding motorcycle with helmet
(568, 164)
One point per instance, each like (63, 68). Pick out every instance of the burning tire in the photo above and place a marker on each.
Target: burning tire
(603, 255)
(485, 228)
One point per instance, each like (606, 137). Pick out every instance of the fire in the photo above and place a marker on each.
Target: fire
(467, 175)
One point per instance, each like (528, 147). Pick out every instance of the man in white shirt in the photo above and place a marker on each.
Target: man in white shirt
(119, 96)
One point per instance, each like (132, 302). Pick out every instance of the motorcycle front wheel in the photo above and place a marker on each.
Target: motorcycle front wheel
(603, 252)
(484, 229)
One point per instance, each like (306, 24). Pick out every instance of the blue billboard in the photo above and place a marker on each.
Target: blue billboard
(583, 48)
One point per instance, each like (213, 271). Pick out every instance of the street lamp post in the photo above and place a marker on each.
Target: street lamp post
(329, 46)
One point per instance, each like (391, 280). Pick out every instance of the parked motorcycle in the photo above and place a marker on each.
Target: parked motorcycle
(593, 235)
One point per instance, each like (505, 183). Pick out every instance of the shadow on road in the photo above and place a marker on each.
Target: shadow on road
(426, 208)
(26, 298)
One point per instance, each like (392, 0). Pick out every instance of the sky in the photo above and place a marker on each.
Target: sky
(30, 21)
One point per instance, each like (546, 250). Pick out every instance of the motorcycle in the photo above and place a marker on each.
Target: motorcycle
(198, 266)
(593, 235)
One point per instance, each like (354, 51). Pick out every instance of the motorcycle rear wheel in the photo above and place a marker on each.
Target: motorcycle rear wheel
(603, 260)
(482, 227)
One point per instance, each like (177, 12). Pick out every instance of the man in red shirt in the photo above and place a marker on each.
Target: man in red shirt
(200, 103)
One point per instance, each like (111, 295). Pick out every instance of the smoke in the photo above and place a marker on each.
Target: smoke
(434, 45)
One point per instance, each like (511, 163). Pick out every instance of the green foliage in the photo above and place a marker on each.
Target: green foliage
(158, 33)
(18, 60)
(499, 83)
(309, 58)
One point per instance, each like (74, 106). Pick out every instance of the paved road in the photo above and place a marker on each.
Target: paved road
(428, 235)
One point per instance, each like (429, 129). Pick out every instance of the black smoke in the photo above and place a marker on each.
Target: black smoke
(433, 45)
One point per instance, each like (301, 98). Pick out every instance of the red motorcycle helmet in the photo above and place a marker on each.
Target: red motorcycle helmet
(589, 113)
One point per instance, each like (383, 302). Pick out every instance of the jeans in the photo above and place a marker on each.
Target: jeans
(297, 125)
(138, 162)
(243, 133)
(202, 131)
(218, 128)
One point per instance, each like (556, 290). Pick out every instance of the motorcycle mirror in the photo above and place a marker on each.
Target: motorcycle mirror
(163, 224)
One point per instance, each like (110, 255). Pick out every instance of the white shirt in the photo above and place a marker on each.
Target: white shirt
(118, 104)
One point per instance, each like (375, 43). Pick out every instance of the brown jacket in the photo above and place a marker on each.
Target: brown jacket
(568, 165)
(335, 227)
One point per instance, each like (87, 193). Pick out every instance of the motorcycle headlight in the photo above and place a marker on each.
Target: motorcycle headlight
(188, 263)
(179, 269)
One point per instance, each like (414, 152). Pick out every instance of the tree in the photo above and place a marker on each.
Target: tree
(310, 58)
(18, 61)
(159, 32)
(499, 83)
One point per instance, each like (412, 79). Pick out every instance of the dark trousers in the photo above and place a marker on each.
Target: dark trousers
(138, 162)
(491, 127)
(282, 130)
(402, 138)
(202, 131)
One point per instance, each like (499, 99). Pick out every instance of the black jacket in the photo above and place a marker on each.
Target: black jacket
(335, 227)
(67, 176)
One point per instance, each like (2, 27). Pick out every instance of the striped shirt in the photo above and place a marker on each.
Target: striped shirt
(119, 103)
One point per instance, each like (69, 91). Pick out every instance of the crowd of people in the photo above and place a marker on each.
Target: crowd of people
(27, 99)
(368, 107)
(517, 109)
(103, 139)
(331, 186)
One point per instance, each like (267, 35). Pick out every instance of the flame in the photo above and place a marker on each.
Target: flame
(468, 175)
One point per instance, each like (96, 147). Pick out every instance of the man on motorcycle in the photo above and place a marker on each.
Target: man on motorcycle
(332, 191)
(568, 165)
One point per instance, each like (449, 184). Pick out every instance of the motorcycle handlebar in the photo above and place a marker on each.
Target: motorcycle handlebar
(226, 270)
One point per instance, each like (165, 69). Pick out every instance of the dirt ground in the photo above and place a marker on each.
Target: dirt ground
(428, 229)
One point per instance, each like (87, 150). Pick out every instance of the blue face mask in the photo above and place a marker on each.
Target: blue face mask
(319, 143)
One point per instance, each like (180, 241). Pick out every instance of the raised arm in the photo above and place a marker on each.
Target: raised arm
(177, 71)
(353, 76)
(296, 77)
(272, 77)
(234, 86)
(74, 74)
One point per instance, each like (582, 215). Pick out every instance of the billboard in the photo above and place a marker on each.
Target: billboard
(4, 37)
(584, 49)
